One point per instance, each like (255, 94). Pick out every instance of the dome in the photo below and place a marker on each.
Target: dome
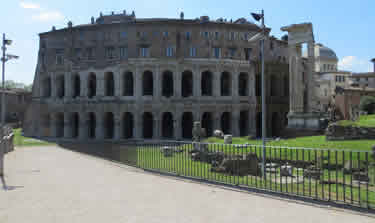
(325, 52)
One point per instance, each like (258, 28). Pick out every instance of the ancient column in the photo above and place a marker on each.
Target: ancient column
(118, 83)
(53, 85)
(118, 127)
(177, 85)
(157, 83)
(67, 125)
(197, 83)
(156, 134)
(84, 84)
(216, 83)
(177, 123)
(235, 77)
(138, 84)
(53, 125)
(235, 121)
(137, 130)
(216, 120)
(99, 131)
(100, 84)
(310, 76)
(68, 85)
(83, 126)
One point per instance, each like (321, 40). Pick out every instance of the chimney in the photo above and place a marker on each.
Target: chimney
(70, 24)
(182, 15)
(92, 20)
(53, 28)
(373, 61)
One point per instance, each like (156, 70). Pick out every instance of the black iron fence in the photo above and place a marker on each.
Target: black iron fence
(338, 176)
(334, 176)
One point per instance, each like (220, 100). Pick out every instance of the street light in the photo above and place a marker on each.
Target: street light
(261, 37)
(5, 58)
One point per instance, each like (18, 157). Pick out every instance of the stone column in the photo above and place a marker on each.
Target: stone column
(157, 127)
(138, 124)
(197, 83)
(84, 84)
(118, 127)
(177, 78)
(177, 123)
(99, 125)
(83, 126)
(235, 76)
(216, 84)
(53, 125)
(67, 125)
(216, 121)
(138, 84)
(68, 85)
(53, 85)
(118, 83)
(100, 84)
(157, 83)
(235, 122)
(310, 77)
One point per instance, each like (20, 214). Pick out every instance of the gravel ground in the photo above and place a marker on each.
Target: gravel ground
(50, 184)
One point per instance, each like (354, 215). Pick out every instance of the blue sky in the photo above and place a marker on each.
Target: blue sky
(346, 26)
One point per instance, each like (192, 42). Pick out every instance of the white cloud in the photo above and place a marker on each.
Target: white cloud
(29, 5)
(48, 16)
(352, 63)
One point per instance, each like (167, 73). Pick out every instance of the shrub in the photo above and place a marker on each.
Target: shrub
(367, 104)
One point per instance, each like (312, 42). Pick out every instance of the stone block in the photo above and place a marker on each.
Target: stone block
(227, 139)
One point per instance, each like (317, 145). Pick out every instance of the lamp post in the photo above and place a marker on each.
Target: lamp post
(261, 36)
(4, 59)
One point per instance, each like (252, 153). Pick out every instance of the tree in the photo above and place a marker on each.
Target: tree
(367, 104)
(10, 84)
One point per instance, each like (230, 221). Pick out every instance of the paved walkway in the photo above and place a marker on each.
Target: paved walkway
(49, 184)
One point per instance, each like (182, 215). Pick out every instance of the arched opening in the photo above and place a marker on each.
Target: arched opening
(128, 125)
(47, 87)
(244, 123)
(128, 84)
(226, 122)
(60, 125)
(258, 85)
(274, 85)
(167, 84)
(226, 84)
(60, 86)
(259, 124)
(206, 83)
(148, 83)
(207, 123)
(91, 85)
(76, 86)
(167, 125)
(148, 125)
(109, 84)
(92, 125)
(75, 124)
(286, 86)
(187, 125)
(46, 124)
(276, 124)
(109, 125)
(187, 84)
(243, 88)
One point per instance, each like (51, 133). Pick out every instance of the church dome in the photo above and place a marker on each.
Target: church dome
(325, 53)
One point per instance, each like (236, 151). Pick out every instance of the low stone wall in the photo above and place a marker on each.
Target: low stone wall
(338, 132)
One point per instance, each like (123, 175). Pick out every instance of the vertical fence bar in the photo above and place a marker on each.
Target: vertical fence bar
(329, 175)
(351, 177)
(322, 164)
(337, 183)
(367, 172)
(344, 176)
(359, 177)
(316, 169)
(281, 163)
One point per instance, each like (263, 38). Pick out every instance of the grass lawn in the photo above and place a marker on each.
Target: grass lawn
(20, 140)
(364, 121)
(318, 142)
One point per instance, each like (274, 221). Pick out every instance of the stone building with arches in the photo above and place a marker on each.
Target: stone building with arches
(121, 78)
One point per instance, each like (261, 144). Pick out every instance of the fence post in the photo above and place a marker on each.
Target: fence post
(2, 152)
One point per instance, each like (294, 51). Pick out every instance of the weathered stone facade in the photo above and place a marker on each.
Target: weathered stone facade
(121, 77)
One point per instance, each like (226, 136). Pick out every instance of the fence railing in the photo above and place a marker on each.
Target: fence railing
(6, 144)
(338, 176)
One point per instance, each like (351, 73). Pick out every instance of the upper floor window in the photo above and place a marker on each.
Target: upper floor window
(144, 52)
(110, 52)
(245, 36)
(165, 34)
(123, 35)
(59, 56)
(216, 35)
(232, 52)
(90, 52)
(247, 53)
(123, 52)
(78, 53)
(193, 52)
(169, 51)
(206, 35)
(81, 36)
(188, 35)
(217, 52)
